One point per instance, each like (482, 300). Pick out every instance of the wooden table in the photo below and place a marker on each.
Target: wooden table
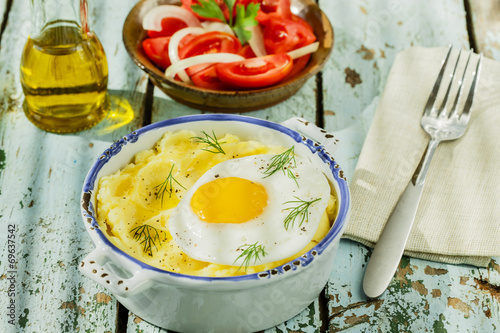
(41, 175)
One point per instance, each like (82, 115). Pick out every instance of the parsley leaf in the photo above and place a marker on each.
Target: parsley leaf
(230, 6)
(209, 9)
(245, 17)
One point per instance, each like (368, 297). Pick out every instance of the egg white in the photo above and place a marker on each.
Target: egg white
(221, 243)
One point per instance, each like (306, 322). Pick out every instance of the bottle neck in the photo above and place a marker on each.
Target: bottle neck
(53, 13)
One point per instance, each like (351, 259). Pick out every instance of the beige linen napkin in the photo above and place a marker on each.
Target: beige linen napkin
(458, 220)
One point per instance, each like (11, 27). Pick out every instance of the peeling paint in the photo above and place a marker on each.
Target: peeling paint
(352, 77)
(434, 271)
(355, 320)
(463, 280)
(23, 318)
(436, 293)
(68, 305)
(418, 286)
(2, 159)
(102, 298)
(488, 287)
(487, 312)
(458, 304)
(368, 54)
(403, 270)
(338, 311)
(439, 325)
(494, 266)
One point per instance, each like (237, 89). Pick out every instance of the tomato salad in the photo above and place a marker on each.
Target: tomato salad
(228, 44)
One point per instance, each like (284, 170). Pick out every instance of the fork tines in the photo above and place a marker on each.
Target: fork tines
(443, 111)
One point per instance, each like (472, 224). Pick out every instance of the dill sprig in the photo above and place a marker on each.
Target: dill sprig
(300, 211)
(251, 254)
(167, 186)
(284, 162)
(148, 236)
(213, 145)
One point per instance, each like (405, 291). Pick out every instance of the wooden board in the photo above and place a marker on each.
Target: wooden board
(485, 26)
(302, 104)
(3, 9)
(41, 176)
(423, 295)
(368, 35)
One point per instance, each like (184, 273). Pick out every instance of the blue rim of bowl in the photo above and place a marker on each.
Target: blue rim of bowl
(293, 265)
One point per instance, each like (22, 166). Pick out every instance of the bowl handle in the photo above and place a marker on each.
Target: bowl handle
(108, 269)
(313, 132)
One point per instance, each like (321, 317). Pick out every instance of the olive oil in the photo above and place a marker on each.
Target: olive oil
(64, 75)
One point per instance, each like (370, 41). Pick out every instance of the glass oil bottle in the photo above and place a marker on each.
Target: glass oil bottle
(64, 71)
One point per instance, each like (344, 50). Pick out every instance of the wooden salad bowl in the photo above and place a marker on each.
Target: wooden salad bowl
(233, 100)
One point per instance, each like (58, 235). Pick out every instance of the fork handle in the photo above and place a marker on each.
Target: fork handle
(391, 243)
(421, 172)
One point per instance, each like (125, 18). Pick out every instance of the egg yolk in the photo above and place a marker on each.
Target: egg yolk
(229, 200)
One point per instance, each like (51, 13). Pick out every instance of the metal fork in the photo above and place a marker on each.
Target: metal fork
(442, 124)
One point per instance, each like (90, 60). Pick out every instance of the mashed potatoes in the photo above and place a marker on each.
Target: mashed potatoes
(134, 205)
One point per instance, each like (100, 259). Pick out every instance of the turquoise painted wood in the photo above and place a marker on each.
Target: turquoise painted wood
(485, 17)
(423, 296)
(41, 176)
(3, 8)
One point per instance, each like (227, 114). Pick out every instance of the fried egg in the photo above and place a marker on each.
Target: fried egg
(240, 205)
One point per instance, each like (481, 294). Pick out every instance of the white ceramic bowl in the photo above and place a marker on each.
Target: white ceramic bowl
(227, 304)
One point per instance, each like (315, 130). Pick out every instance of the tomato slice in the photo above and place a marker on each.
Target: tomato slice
(156, 50)
(169, 25)
(269, 8)
(282, 35)
(208, 79)
(302, 22)
(210, 42)
(255, 72)
(298, 65)
(188, 3)
(247, 52)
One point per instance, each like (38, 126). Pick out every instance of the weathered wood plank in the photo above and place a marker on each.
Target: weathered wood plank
(307, 321)
(302, 104)
(41, 175)
(423, 295)
(42, 181)
(485, 17)
(127, 83)
(368, 35)
(3, 8)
